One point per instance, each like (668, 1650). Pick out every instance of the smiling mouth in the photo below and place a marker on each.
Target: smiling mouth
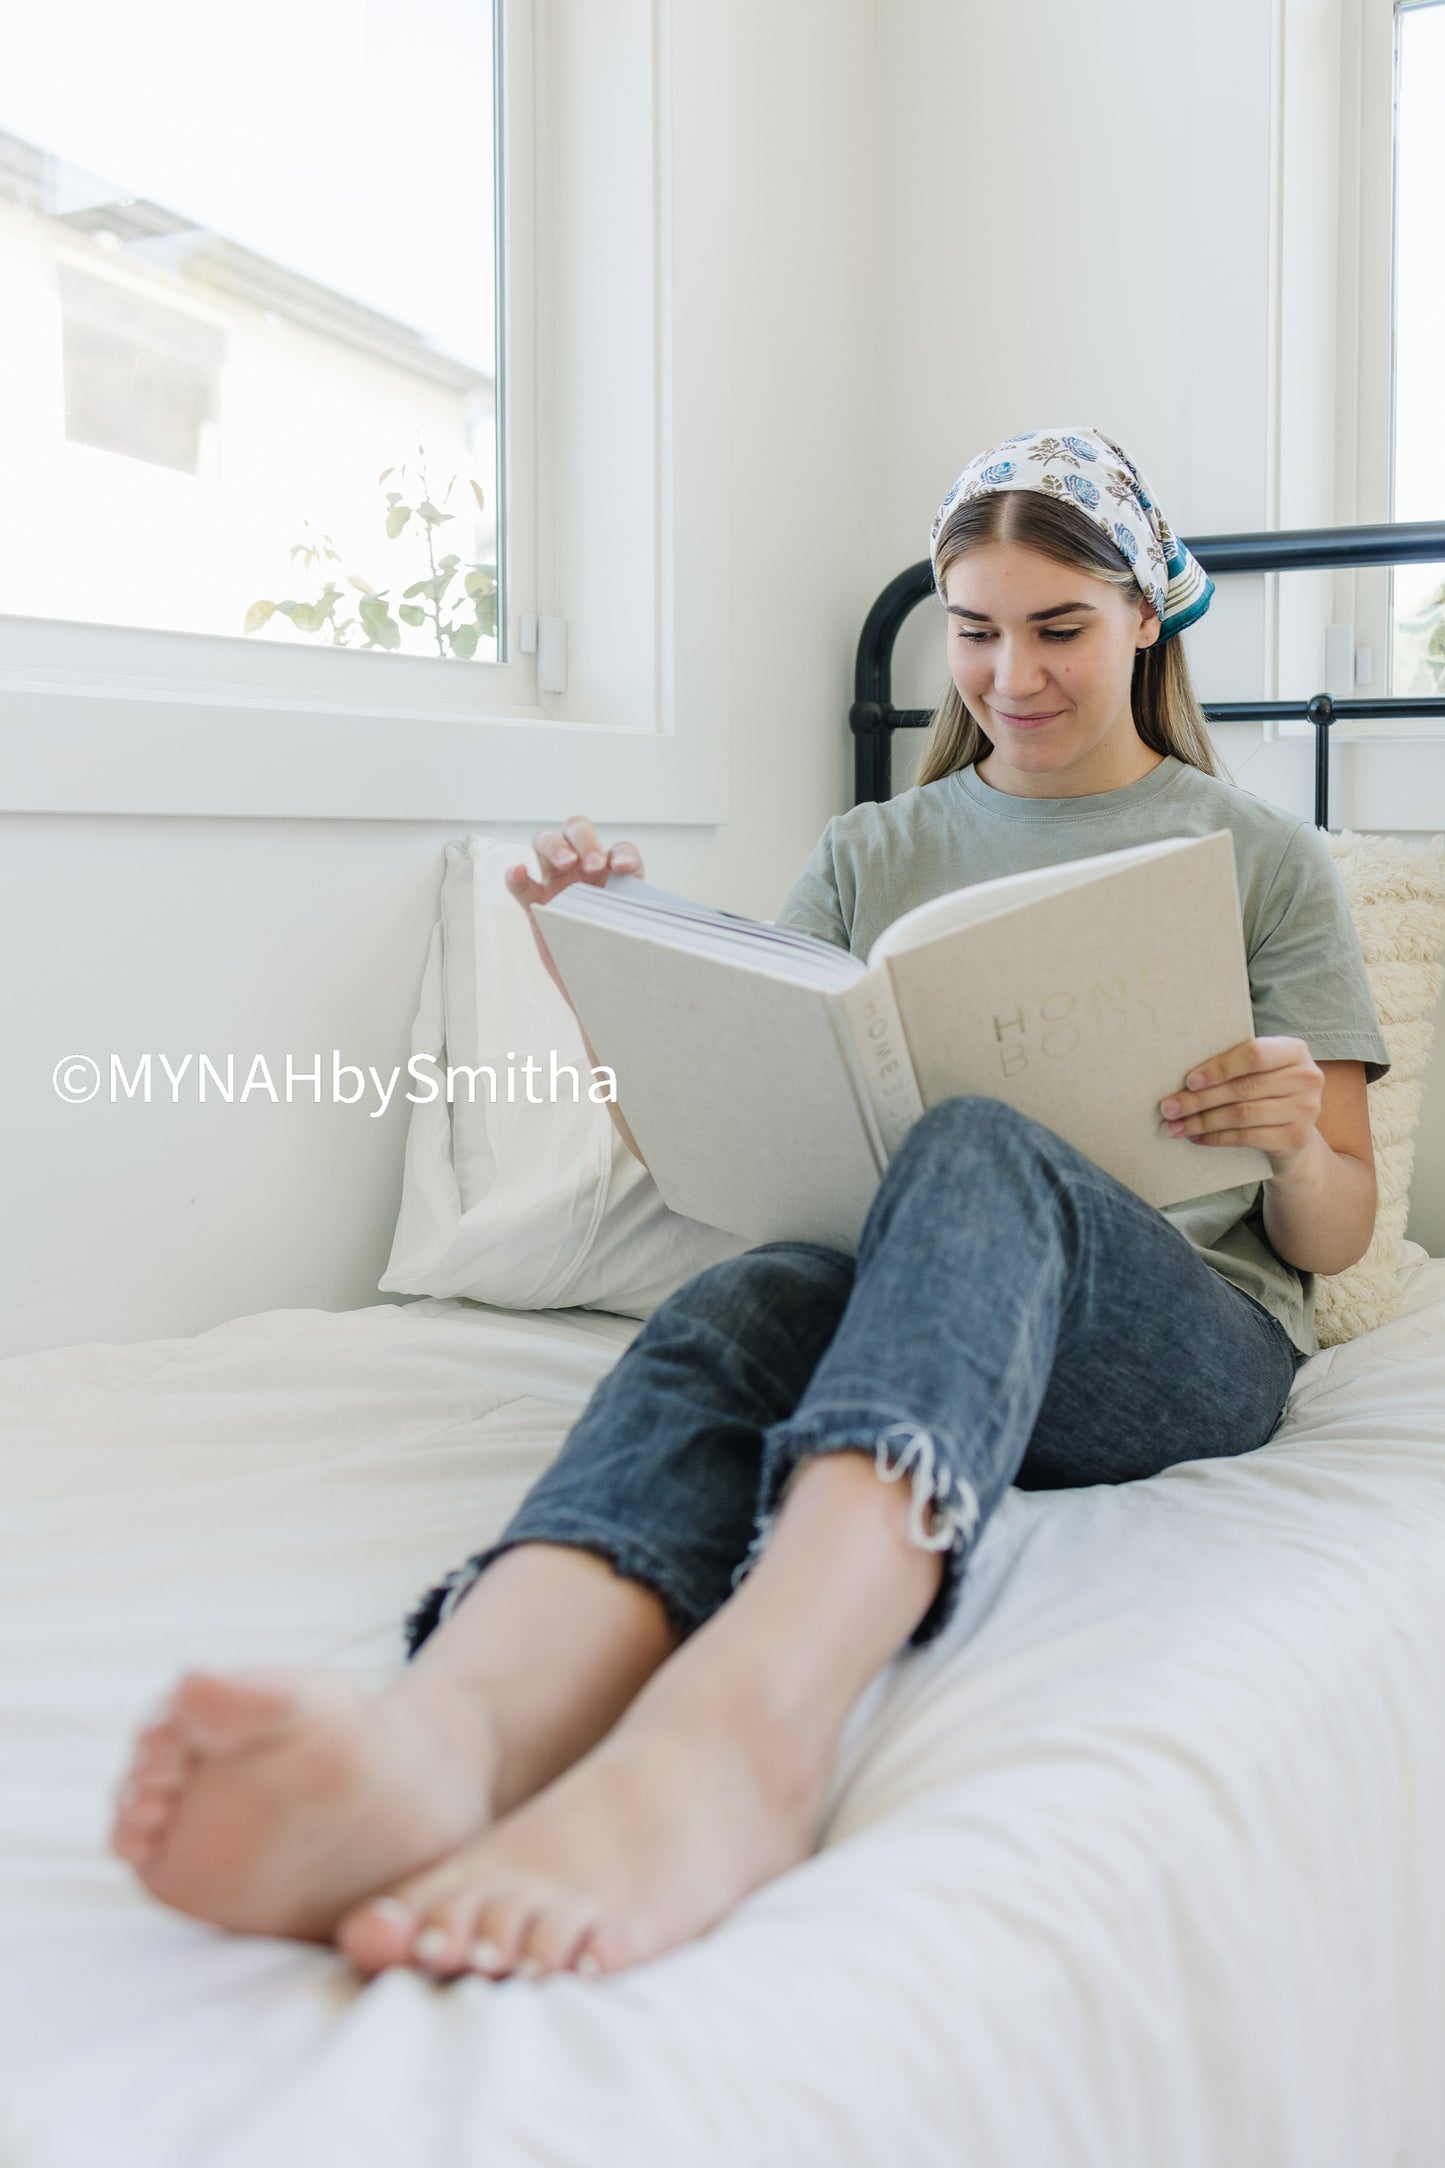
(1005, 717)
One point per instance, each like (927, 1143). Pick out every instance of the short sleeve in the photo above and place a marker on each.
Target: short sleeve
(814, 903)
(1307, 972)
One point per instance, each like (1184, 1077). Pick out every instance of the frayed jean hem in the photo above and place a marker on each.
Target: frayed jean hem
(940, 1495)
(633, 1560)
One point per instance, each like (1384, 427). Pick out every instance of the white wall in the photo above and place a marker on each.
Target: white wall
(948, 219)
(275, 936)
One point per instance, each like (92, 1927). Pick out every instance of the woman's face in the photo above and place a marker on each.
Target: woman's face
(1043, 657)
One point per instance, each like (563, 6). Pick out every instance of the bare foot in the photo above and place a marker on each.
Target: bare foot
(274, 1801)
(689, 1803)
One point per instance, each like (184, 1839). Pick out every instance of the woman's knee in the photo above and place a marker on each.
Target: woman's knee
(777, 1282)
(969, 1126)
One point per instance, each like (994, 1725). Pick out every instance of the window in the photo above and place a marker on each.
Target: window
(1418, 448)
(248, 279)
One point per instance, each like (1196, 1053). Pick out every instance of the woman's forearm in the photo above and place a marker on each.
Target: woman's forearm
(1320, 1216)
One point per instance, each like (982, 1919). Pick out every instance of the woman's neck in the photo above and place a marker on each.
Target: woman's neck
(1108, 766)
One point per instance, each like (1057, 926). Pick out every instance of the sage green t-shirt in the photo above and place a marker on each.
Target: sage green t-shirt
(1306, 974)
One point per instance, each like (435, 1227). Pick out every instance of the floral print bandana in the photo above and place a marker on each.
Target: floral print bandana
(1083, 467)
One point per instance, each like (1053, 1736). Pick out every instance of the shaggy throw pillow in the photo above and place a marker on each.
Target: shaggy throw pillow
(1396, 894)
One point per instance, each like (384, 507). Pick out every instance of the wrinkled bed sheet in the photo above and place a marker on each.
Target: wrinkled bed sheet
(1141, 1865)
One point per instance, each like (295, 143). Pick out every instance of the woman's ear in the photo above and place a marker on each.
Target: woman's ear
(1150, 624)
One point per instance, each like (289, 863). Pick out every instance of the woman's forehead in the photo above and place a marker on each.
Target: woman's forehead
(1007, 577)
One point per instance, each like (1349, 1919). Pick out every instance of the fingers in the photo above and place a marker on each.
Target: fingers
(1266, 1124)
(570, 853)
(1260, 1069)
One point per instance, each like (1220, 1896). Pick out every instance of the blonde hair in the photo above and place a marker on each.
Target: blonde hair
(1165, 706)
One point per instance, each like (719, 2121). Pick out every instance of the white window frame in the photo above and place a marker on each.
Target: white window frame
(100, 719)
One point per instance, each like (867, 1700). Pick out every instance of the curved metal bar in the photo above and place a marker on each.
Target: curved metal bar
(873, 717)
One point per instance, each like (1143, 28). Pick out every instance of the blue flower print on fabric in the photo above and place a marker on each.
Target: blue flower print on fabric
(1116, 500)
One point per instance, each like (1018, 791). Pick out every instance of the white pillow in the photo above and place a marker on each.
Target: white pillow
(1396, 894)
(526, 1206)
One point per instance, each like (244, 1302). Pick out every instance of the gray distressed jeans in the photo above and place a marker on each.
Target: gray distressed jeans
(1013, 1315)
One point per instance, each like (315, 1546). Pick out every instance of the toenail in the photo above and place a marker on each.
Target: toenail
(433, 1945)
(391, 1911)
(528, 1968)
(485, 1956)
(588, 1966)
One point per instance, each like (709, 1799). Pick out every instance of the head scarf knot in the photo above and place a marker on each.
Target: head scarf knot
(1084, 468)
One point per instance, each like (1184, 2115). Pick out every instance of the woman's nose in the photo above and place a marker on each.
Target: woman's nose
(1016, 670)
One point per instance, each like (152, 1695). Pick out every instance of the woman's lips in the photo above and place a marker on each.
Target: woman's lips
(1026, 722)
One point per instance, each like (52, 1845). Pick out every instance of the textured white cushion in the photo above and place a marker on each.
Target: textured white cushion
(1396, 894)
(529, 1207)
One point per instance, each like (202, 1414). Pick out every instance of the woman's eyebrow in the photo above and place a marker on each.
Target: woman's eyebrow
(1060, 609)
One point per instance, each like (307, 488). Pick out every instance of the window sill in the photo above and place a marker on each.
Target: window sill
(63, 751)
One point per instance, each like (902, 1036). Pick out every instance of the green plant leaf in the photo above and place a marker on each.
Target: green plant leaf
(396, 519)
(259, 614)
(428, 511)
(480, 581)
(380, 625)
(477, 493)
(448, 564)
(486, 606)
(411, 614)
(464, 641)
(363, 587)
(383, 475)
(307, 617)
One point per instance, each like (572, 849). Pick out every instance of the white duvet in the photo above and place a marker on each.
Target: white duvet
(1142, 1865)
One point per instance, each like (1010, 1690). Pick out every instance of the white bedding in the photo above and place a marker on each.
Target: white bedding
(1139, 1866)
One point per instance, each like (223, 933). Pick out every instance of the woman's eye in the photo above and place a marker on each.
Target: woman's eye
(1050, 634)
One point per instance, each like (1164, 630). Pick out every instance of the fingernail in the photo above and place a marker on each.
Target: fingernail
(485, 1957)
(528, 1968)
(562, 856)
(1196, 1082)
(433, 1945)
(392, 1910)
(1174, 1128)
(588, 1966)
(593, 862)
(1171, 1106)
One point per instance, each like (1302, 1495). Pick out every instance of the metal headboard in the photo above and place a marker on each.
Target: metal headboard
(873, 717)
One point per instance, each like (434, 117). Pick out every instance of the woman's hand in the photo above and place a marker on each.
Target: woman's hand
(571, 853)
(1266, 1093)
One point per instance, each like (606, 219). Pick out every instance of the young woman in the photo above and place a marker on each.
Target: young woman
(624, 1715)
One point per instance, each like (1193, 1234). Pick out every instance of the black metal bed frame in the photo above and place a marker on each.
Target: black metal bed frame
(873, 717)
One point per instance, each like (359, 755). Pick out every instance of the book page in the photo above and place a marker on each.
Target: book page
(986, 899)
(1085, 1008)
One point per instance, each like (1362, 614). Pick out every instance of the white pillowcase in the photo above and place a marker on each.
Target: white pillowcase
(525, 1206)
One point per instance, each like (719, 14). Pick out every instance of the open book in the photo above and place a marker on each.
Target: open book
(768, 1076)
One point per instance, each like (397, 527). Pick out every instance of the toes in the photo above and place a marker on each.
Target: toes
(160, 1756)
(497, 1924)
(220, 1714)
(378, 1934)
(557, 1935)
(609, 1948)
